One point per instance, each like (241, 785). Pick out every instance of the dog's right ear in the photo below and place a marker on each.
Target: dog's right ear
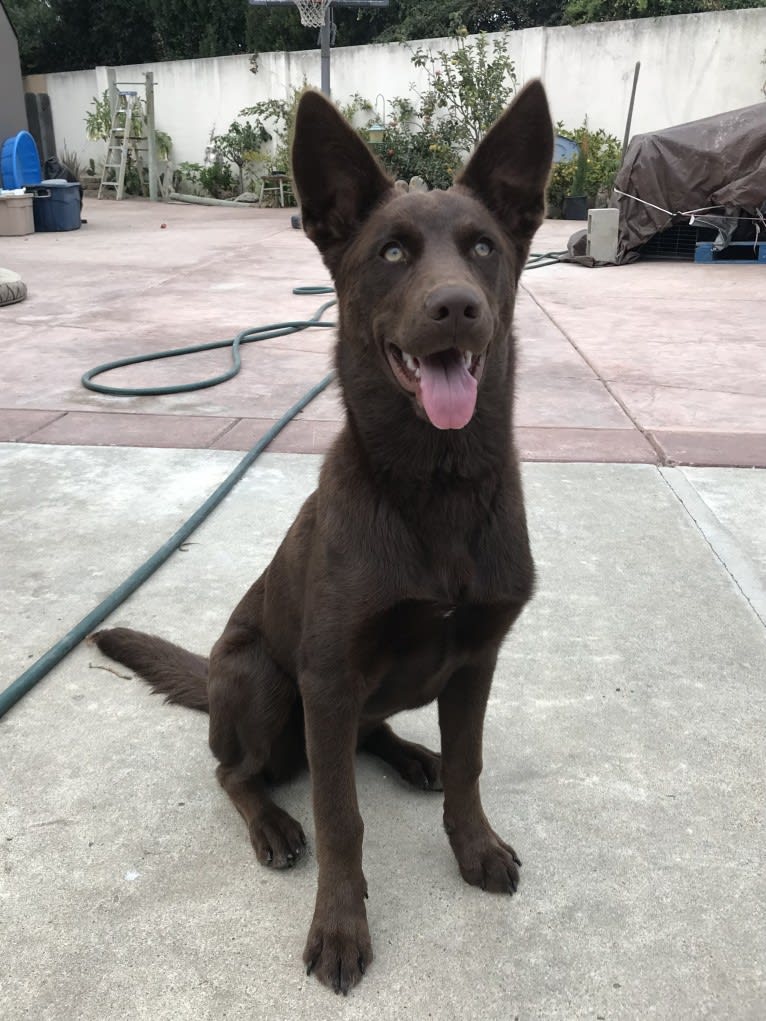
(337, 178)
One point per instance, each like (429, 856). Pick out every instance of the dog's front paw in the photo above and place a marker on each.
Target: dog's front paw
(338, 949)
(485, 860)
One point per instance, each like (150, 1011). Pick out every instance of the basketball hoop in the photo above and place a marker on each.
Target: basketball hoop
(317, 14)
(312, 12)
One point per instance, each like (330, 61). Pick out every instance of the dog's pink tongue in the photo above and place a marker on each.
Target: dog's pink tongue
(447, 390)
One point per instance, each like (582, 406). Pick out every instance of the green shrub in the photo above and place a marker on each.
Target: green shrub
(414, 146)
(218, 180)
(242, 145)
(471, 87)
(592, 173)
(467, 90)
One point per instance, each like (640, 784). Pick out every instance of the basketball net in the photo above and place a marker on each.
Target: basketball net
(312, 12)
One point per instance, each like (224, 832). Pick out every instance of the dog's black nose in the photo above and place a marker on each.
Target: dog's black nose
(453, 305)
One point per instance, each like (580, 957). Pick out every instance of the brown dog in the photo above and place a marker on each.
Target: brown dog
(404, 571)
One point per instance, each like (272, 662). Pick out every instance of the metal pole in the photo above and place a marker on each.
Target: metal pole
(626, 139)
(152, 137)
(324, 41)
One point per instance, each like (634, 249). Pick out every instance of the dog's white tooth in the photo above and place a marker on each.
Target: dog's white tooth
(409, 361)
(467, 357)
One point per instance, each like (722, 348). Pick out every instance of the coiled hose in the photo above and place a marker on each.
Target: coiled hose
(35, 673)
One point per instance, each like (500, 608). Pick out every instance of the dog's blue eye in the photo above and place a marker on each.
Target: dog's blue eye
(483, 248)
(393, 252)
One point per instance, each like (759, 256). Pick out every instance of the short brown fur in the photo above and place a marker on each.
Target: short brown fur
(404, 571)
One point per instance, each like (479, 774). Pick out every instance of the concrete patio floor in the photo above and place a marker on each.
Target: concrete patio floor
(656, 362)
(624, 751)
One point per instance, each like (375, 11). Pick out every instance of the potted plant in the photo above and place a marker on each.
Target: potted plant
(584, 180)
(575, 205)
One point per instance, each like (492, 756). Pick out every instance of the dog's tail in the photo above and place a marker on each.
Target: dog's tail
(171, 671)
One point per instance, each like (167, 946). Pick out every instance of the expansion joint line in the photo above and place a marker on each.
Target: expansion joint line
(733, 559)
(615, 397)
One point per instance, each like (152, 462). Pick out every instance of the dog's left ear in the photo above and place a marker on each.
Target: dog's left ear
(509, 170)
(337, 178)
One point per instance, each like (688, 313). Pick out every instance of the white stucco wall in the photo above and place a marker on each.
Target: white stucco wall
(691, 66)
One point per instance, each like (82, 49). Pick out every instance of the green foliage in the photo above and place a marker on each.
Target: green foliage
(71, 160)
(98, 127)
(218, 180)
(429, 19)
(469, 84)
(242, 145)
(35, 24)
(98, 121)
(593, 171)
(416, 145)
(466, 91)
(579, 181)
(578, 12)
(212, 28)
(66, 35)
(268, 29)
(401, 20)
(187, 173)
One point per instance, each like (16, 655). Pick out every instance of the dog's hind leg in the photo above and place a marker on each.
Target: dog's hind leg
(277, 838)
(417, 764)
(256, 727)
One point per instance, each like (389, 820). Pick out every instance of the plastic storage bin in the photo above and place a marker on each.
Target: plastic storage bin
(19, 162)
(56, 205)
(16, 216)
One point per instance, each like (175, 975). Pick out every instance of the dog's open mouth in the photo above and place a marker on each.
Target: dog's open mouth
(445, 383)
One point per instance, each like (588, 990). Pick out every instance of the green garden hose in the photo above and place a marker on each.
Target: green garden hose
(248, 336)
(23, 684)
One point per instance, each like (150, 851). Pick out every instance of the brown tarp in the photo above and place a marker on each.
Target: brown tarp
(717, 161)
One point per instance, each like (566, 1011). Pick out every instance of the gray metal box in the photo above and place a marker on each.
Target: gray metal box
(602, 234)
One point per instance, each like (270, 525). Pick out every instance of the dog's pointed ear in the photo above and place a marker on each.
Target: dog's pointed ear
(510, 168)
(337, 178)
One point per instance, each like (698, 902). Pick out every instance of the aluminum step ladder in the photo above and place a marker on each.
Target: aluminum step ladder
(129, 117)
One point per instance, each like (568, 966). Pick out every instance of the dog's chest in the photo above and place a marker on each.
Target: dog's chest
(408, 652)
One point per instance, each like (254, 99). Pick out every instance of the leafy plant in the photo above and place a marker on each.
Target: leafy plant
(592, 173)
(469, 84)
(416, 146)
(467, 90)
(187, 173)
(242, 146)
(98, 121)
(217, 180)
(580, 12)
(71, 160)
(581, 164)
